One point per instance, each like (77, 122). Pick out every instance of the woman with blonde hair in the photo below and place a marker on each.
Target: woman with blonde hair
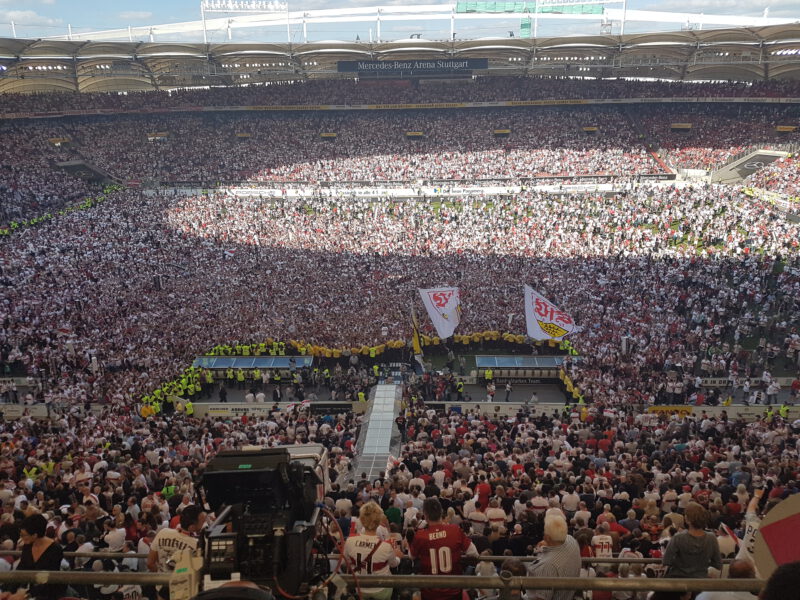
(651, 508)
(452, 517)
(368, 554)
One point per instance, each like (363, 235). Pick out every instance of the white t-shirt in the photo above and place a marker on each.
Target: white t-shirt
(115, 538)
(479, 521)
(747, 547)
(603, 546)
(357, 548)
(170, 543)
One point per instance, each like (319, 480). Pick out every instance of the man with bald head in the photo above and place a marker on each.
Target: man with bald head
(738, 569)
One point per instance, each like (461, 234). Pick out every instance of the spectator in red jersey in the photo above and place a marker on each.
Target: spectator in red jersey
(483, 490)
(440, 548)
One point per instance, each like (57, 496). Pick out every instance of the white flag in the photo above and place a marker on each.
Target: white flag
(545, 320)
(444, 308)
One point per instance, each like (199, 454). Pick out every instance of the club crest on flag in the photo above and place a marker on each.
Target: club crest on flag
(440, 299)
(545, 320)
(444, 308)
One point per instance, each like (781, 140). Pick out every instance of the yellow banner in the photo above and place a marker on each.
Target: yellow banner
(402, 106)
(788, 128)
(590, 128)
(244, 135)
(415, 341)
(681, 126)
(681, 409)
(502, 131)
(544, 102)
(329, 134)
(292, 107)
(414, 134)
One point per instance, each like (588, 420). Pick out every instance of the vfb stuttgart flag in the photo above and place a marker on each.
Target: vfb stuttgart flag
(444, 309)
(545, 320)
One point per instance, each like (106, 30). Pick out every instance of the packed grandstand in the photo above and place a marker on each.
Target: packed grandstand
(198, 242)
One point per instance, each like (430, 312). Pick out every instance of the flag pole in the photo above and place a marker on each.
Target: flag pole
(415, 343)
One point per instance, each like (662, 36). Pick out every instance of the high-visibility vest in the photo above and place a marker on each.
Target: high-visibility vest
(783, 411)
(375, 370)
(189, 408)
(362, 397)
(156, 407)
(488, 374)
(256, 374)
(229, 373)
(239, 375)
(460, 387)
(209, 377)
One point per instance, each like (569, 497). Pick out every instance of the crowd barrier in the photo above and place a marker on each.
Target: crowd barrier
(504, 582)
(493, 558)
(507, 584)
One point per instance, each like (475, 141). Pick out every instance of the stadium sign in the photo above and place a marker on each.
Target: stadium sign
(411, 67)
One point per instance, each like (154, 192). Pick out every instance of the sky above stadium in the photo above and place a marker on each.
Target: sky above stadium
(47, 18)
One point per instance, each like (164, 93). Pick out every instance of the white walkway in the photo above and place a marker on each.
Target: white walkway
(379, 427)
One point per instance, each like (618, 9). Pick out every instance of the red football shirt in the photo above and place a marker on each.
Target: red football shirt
(439, 549)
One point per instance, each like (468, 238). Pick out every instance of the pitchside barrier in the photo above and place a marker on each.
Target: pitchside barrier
(12, 412)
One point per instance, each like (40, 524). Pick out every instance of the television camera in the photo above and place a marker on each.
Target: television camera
(269, 526)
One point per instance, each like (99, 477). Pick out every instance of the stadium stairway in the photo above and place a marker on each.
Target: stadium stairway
(378, 430)
(650, 143)
(744, 166)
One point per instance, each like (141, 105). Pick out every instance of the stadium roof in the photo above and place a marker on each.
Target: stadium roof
(742, 54)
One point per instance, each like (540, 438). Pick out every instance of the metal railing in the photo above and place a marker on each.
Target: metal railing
(632, 560)
(504, 582)
(98, 554)
(593, 560)
(84, 578)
